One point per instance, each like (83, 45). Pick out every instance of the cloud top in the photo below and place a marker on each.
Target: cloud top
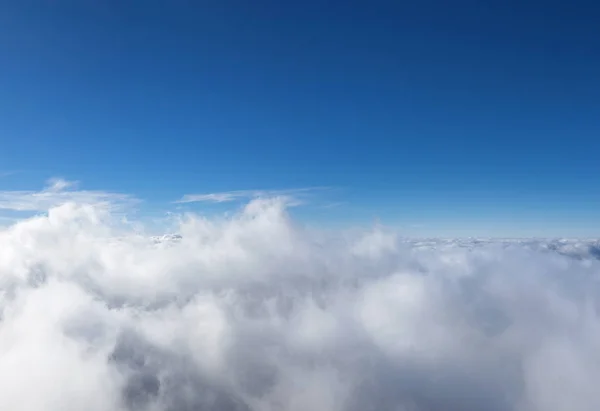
(259, 313)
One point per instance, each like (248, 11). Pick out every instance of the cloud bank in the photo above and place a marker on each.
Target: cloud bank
(256, 313)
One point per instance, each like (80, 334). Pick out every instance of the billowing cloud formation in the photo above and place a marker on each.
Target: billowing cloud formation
(257, 313)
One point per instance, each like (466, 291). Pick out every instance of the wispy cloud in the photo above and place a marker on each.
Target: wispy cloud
(59, 191)
(7, 173)
(297, 195)
(334, 204)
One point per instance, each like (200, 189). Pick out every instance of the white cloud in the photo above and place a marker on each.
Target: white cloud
(57, 192)
(292, 195)
(257, 313)
(59, 184)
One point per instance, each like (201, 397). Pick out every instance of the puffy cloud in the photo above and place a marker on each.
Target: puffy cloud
(258, 313)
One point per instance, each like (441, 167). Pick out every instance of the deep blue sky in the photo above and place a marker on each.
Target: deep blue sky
(431, 113)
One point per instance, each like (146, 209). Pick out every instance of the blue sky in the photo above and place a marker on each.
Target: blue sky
(466, 117)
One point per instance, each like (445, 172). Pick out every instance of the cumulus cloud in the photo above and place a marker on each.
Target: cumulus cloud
(59, 191)
(257, 313)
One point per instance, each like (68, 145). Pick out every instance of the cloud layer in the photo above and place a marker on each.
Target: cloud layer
(258, 313)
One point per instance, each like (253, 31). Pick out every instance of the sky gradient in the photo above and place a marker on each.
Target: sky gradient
(440, 118)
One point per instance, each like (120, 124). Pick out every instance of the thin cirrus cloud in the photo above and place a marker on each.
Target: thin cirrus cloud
(7, 173)
(293, 196)
(57, 192)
